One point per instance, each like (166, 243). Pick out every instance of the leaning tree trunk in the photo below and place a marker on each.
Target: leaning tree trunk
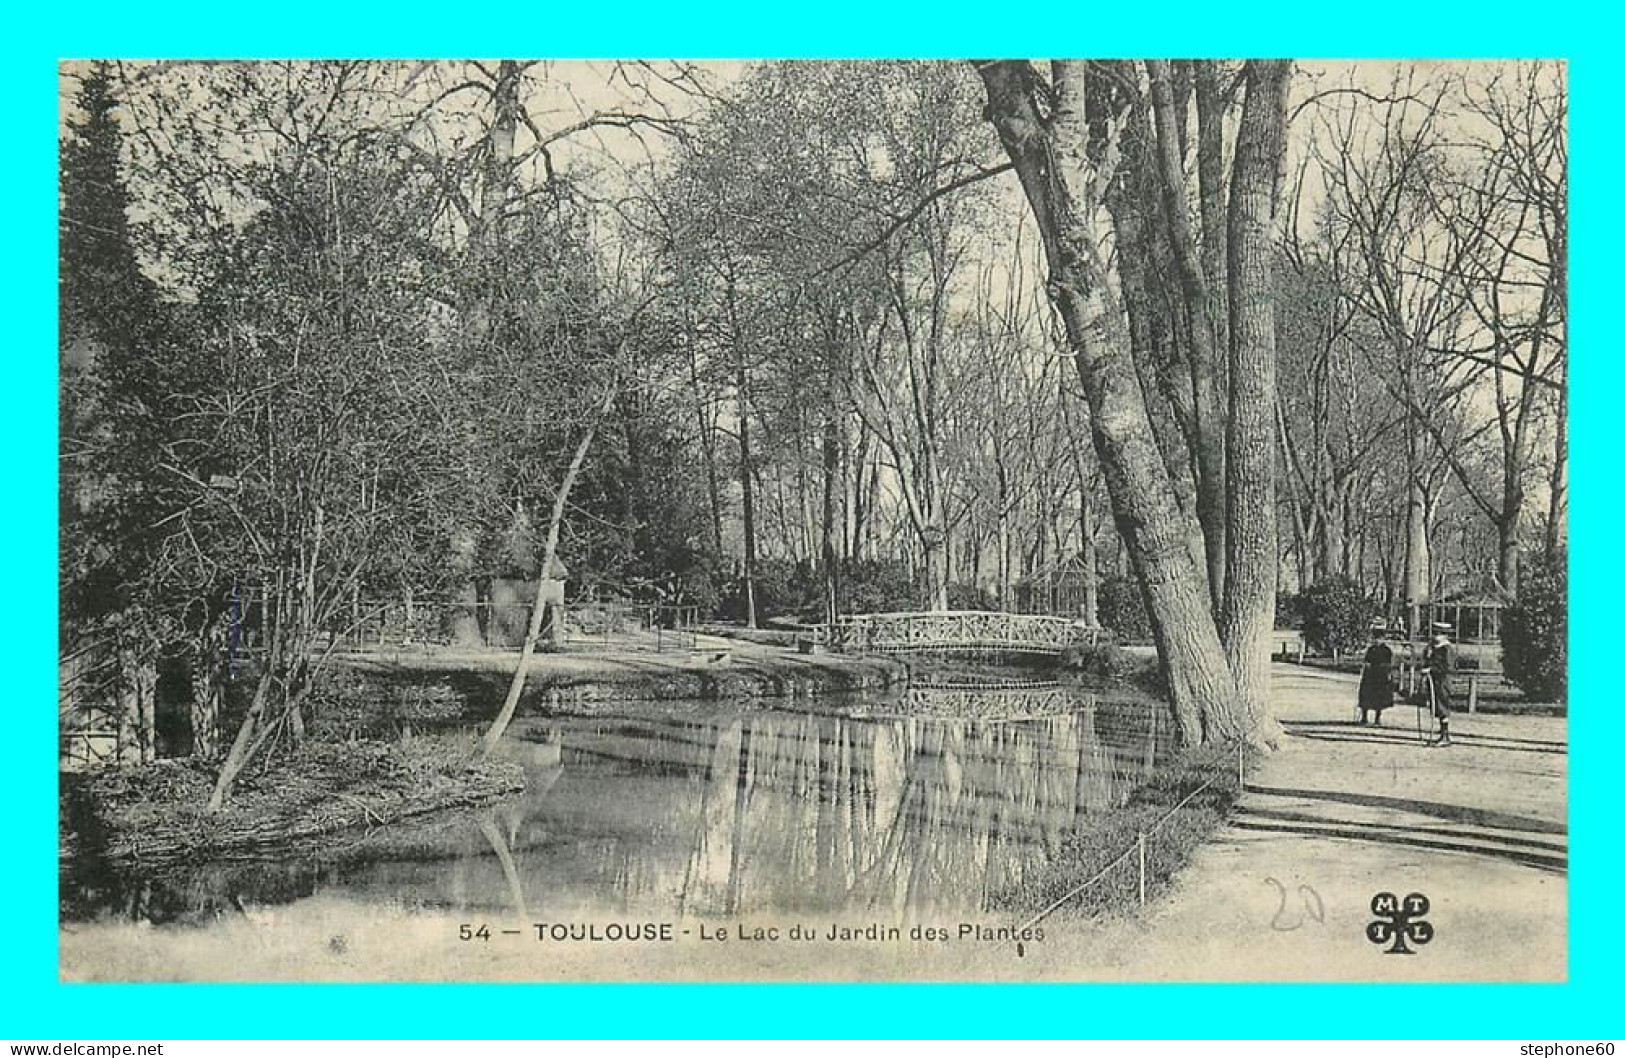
(237, 756)
(533, 631)
(1052, 159)
(1252, 560)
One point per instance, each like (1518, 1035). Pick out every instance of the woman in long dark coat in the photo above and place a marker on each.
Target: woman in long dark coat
(1377, 680)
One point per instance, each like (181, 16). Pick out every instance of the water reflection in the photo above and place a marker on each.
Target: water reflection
(736, 813)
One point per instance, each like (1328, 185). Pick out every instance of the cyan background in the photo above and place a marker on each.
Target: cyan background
(33, 1005)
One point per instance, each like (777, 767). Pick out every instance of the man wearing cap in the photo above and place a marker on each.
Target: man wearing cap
(1440, 662)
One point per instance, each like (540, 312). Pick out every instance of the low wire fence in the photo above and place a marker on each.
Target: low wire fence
(1135, 865)
(502, 624)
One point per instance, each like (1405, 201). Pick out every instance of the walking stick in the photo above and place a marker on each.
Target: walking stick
(1433, 709)
(1419, 737)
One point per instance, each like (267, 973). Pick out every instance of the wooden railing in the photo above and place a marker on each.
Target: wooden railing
(970, 630)
(1412, 679)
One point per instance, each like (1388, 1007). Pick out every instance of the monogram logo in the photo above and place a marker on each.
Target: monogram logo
(1398, 922)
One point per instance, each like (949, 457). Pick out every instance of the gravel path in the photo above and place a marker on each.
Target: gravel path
(1343, 812)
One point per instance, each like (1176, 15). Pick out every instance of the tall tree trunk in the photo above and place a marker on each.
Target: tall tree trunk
(1052, 159)
(747, 493)
(708, 446)
(1003, 540)
(1155, 339)
(1089, 560)
(857, 502)
(1416, 550)
(207, 692)
(829, 555)
(1210, 112)
(485, 237)
(1207, 438)
(934, 542)
(1508, 530)
(1252, 559)
(1331, 561)
(1557, 482)
(747, 484)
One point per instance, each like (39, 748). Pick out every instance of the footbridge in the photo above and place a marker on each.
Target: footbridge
(970, 631)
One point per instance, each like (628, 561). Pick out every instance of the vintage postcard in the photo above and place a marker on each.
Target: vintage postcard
(997, 520)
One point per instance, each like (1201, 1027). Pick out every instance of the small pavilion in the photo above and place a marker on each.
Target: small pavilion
(1057, 589)
(1473, 610)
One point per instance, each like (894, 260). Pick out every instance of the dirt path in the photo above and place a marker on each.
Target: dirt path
(1283, 891)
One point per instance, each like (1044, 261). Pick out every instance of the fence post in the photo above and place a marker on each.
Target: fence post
(1472, 692)
(1142, 868)
(1241, 766)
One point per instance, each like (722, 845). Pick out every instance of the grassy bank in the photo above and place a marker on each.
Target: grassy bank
(154, 812)
(1108, 842)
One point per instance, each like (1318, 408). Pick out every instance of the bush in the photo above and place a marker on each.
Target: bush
(1535, 632)
(1288, 610)
(1122, 609)
(781, 588)
(1337, 616)
(1110, 662)
(876, 586)
(964, 596)
(796, 589)
(1105, 660)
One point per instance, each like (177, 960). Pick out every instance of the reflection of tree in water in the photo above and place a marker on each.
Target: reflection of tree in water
(803, 812)
(760, 812)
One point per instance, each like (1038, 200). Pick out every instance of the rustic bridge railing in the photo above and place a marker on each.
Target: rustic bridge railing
(956, 630)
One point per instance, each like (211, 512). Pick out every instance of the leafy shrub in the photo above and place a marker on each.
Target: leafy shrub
(1337, 616)
(878, 586)
(781, 589)
(963, 596)
(796, 589)
(1535, 632)
(1122, 609)
(1106, 660)
(1288, 610)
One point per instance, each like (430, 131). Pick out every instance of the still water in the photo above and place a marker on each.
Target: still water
(707, 810)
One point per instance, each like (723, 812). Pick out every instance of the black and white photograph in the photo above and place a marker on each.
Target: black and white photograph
(865, 520)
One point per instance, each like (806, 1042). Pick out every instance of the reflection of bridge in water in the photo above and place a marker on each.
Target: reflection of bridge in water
(991, 703)
(975, 631)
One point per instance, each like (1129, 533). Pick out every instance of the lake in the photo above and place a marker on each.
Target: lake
(885, 811)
